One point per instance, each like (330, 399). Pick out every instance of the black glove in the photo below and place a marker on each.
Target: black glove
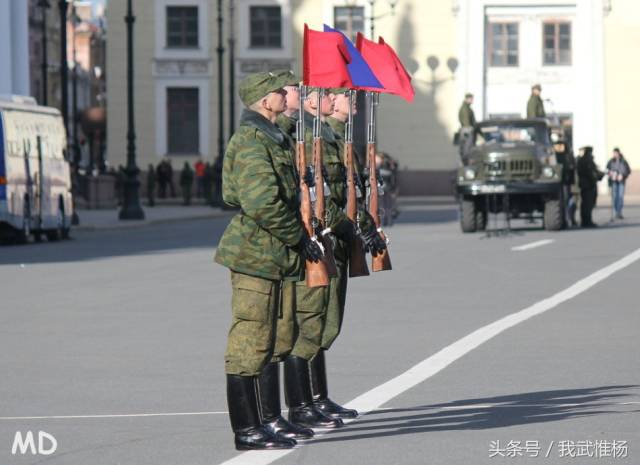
(310, 250)
(373, 242)
(309, 176)
(325, 173)
(346, 231)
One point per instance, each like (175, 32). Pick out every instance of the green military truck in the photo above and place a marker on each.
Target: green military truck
(511, 168)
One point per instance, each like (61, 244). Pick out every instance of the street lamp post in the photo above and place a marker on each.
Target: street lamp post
(131, 209)
(44, 6)
(64, 68)
(74, 93)
(217, 166)
(232, 69)
(372, 17)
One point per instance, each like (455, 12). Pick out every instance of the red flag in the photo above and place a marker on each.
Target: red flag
(325, 59)
(386, 66)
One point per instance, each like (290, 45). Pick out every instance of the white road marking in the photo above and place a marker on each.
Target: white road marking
(380, 395)
(532, 245)
(123, 415)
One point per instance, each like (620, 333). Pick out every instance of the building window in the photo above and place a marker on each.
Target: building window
(182, 26)
(349, 19)
(266, 27)
(503, 44)
(556, 46)
(183, 120)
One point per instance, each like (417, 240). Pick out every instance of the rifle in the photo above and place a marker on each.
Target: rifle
(316, 272)
(320, 208)
(382, 261)
(357, 255)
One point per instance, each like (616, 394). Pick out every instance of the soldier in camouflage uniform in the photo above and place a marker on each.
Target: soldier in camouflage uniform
(345, 233)
(264, 246)
(468, 126)
(535, 106)
(316, 304)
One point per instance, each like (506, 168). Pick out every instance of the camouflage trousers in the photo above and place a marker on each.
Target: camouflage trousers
(318, 315)
(261, 323)
(335, 307)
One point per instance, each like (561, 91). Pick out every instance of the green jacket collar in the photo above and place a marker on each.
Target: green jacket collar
(256, 120)
(337, 126)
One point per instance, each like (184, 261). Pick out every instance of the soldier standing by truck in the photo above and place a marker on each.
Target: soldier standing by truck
(535, 106)
(264, 248)
(467, 120)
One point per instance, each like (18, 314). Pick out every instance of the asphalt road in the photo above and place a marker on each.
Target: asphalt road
(114, 342)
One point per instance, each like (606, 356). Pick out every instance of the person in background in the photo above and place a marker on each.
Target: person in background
(535, 107)
(151, 185)
(199, 168)
(161, 177)
(207, 181)
(468, 128)
(172, 186)
(618, 171)
(186, 183)
(588, 177)
(565, 157)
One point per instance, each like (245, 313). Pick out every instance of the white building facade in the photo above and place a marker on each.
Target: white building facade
(555, 43)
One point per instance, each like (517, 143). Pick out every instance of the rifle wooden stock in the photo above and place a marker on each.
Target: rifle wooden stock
(316, 272)
(357, 256)
(382, 261)
(320, 212)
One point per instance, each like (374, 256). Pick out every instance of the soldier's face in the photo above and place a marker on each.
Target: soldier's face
(293, 96)
(327, 104)
(277, 101)
(341, 105)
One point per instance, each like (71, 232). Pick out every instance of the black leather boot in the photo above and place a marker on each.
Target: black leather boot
(297, 384)
(245, 417)
(269, 396)
(321, 391)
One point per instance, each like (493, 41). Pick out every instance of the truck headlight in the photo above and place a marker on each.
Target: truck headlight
(548, 172)
(469, 174)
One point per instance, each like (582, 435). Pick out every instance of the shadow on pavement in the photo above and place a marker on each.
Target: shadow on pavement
(91, 245)
(488, 412)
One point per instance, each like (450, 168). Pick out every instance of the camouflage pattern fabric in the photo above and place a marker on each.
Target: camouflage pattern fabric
(335, 307)
(285, 326)
(310, 310)
(259, 177)
(366, 222)
(254, 306)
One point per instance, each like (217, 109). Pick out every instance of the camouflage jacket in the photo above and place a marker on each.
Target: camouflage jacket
(535, 107)
(336, 180)
(339, 127)
(259, 177)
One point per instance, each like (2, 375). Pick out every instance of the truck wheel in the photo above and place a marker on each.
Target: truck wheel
(553, 215)
(481, 220)
(468, 216)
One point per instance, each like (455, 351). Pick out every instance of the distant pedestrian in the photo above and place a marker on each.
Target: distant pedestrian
(151, 185)
(199, 168)
(588, 177)
(172, 186)
(208, 183)
(535, 106)
(468, 127)
(618, 170)
(186, 183)
(161, 176)
(564, 157)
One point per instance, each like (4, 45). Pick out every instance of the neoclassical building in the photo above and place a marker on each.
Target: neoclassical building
(577, 50)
